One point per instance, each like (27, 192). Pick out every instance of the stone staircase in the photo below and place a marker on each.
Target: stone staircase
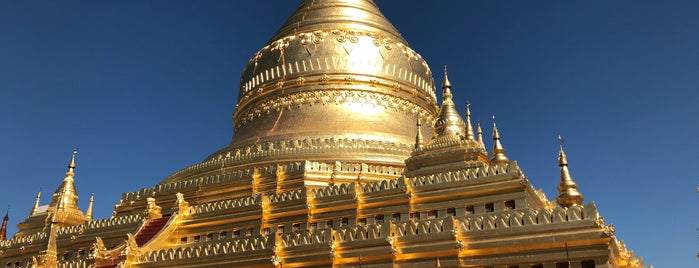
(152, 227)
(142, 237)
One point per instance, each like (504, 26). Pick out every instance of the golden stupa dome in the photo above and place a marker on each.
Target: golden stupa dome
(337, 82)
(346, 59)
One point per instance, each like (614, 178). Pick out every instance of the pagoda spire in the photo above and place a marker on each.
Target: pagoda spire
(469, 127)
(480, 135)
(568, 194)
(498, 150)
(88, 212)
(3, 229)
(449, 122)
(64, 202)
(313, 15)
(71, 165)
(67, 189)
(446, 85)
(418, 137)
(35, 209)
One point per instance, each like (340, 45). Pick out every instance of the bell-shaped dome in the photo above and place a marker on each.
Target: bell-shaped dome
(335, 65)
(337, 82)
(336, 71)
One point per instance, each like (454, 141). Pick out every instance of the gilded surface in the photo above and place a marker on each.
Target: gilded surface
(328, 168)
(334, 65)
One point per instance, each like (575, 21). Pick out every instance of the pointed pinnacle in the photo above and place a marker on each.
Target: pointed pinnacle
(568, 194)
(446, 84)
(71, 165)
(469, 127)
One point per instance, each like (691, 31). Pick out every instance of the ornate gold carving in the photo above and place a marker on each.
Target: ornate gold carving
(343, 35)
(394, 251)
(182, 205)
(279, 45)
(99, 251)
(211, 249)
(409, 53)
(462, 175)
(299, 99)
(460, 244)
(315, 37)
(412, 80)
(131, 252)
(381, 41)
(257, 58)
(276, 260)
(609, 230)
(324, 79)
(599, 222)
(153, 210)
(349, 79)
(390, 240)
(278, 163)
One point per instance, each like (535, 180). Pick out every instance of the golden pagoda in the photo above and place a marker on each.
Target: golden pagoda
(341, 157)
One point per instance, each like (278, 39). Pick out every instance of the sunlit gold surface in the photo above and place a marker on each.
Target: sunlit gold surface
(498, 150)
(328, 167)
(336, 70)
(568, 194)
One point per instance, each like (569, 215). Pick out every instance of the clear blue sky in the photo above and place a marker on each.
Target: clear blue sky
(144, 88)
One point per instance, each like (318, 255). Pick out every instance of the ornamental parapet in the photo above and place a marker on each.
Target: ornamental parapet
(206, 180)
(99, 224)
(138, 195)
(449, 141)
(189, 183)
(421, 227)
(464, 174)
(381, 186)
(361, 232)
(305, 237)
(353, 170)
(333, 190)
(210, 249)
(626, 255)
(528, 217)
(299, 194)
(228, 204)
(80, 263)
(229, 157)
(24, 240)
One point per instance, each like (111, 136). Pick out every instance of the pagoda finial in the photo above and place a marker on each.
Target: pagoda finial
(498, 150)
(568, 194)
(35, 209)
(64, 201)
(71, 165)
(480, 135)
(449, 122)
(469, 127)
(88, 212)
(418, 136)
(3, 228)
(446, 85)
